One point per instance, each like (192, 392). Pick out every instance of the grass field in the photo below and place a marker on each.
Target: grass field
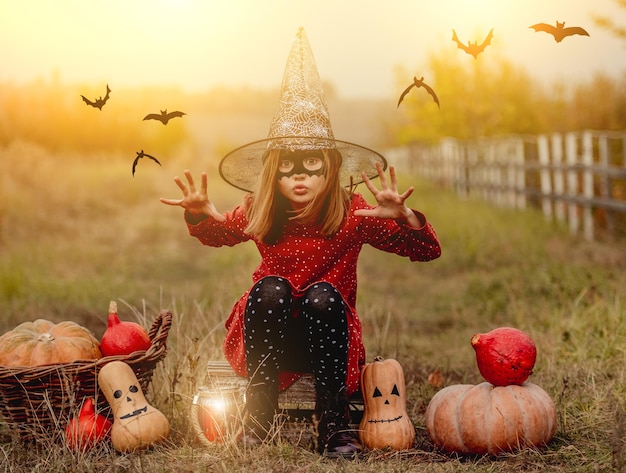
(79, 231)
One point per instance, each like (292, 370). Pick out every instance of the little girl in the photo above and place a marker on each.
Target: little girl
(309, 226)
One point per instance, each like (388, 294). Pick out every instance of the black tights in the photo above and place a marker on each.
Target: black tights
(316, 341)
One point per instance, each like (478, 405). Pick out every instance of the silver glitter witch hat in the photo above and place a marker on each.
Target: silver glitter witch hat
(302, 122)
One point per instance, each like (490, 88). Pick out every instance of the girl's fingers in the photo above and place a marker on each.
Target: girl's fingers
(394, 181)
(171, 201)
(192, 186)
(407, 193)
(204, 183)
(381, 174)
(368, 183)
(180, 185)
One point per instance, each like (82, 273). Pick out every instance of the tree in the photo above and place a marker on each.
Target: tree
(610, 24)
(479, 97)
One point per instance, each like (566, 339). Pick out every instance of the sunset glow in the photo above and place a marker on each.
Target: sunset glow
(196, 44)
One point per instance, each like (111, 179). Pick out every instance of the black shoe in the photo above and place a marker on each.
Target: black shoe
(255, 436)
(342, 443)
(261, 407)
(332, 417)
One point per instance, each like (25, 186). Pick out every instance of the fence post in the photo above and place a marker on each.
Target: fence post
(588, 192)
(605, 182)
(452, 151)
(544, 175)
(490, 179)
(572, 181)
(520, 179)
(461, 167)
(509, 169)
(559, 180)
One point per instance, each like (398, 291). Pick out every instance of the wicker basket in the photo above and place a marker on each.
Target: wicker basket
(37, 402)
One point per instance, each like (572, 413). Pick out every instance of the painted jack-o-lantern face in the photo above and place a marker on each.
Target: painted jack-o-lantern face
(128, 402)
(387, 403)
(136, 423)
(385, 421)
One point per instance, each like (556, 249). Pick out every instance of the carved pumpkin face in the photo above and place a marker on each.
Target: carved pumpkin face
(385, 421)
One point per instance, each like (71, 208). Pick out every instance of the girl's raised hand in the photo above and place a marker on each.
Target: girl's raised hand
(194, 201)
(390, 202)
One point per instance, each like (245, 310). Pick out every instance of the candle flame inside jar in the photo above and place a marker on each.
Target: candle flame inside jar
(216, 405)
(217, 412)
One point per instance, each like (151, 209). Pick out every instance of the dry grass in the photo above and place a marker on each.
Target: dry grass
(78, 231)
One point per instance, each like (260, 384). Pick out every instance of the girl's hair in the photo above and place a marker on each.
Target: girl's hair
(268, 210)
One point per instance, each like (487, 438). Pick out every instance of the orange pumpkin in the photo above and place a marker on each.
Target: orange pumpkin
(385, 422)
(43, 343)
(480, 419)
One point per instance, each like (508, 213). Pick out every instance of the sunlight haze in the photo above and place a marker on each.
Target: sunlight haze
(196, 44)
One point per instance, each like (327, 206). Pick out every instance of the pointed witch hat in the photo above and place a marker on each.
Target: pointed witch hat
(302, 122)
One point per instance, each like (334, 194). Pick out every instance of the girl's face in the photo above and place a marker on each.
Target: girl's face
(301, 176)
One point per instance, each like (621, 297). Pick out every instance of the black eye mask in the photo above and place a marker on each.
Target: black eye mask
(298, 168)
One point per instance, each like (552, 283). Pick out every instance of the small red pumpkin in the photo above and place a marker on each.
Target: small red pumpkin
(505, 355)
(87, 429)
(123, 337)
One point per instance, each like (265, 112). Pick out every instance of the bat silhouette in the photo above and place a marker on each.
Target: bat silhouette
(473, 48)
(419, 83)
(141, 154)
(559, 31)
(99, 102)
(163, 117)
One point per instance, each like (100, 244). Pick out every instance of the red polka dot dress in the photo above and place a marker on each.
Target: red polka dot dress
(304, 256)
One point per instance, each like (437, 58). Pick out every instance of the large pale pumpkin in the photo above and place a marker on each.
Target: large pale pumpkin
(481, 419)
(42, 343)
(385, 422)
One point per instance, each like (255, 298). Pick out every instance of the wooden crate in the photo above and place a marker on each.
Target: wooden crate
(298, 401)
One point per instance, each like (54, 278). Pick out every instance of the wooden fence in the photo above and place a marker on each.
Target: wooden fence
(577, 178)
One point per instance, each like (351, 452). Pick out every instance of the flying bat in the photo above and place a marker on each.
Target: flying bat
(99, 102)
(419, 83)
(141, 154)
(163, 117)
(559, 31)
(473, 48)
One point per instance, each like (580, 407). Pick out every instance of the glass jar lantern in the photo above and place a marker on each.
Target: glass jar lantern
(216, 413)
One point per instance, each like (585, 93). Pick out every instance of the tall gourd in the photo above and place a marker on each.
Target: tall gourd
(385, 422)
(136, 424)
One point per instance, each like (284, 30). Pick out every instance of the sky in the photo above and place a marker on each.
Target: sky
(359, 45)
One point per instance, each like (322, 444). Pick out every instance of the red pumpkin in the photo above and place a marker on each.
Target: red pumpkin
(87, 429)
(504, 356)
(122, 337)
